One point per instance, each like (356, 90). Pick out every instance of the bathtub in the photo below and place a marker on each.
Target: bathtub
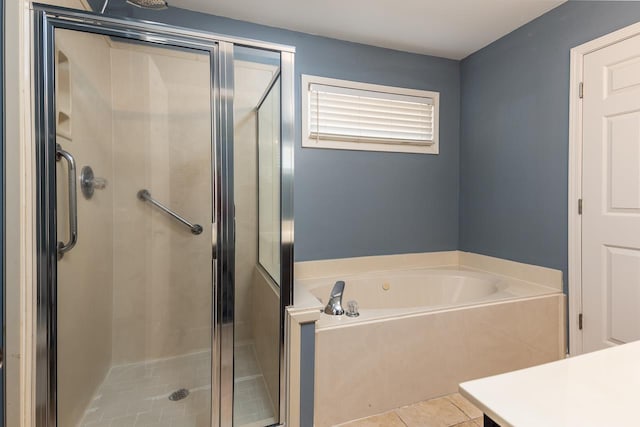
(422, 331)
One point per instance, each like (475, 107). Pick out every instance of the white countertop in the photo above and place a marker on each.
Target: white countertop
(599, 389)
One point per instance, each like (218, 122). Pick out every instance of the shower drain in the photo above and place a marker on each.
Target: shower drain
(179, 394)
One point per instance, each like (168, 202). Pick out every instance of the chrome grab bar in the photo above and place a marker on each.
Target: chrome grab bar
(73, 202)
(145, 196)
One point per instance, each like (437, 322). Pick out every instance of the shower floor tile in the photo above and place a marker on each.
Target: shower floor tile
(245, 360)
(252, 405)
(138, 394)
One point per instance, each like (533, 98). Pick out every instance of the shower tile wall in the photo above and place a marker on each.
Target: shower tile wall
(162, 142)
(266, 332)
(85, 279)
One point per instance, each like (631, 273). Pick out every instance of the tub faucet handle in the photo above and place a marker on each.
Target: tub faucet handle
(352, 309)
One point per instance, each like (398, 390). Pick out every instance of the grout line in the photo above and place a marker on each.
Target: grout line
(400, 418)
(461, 410)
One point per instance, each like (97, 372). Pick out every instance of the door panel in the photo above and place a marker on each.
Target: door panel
(256, 374)
(611, 193)
(623, 294)
(623, 145)
(134, 295)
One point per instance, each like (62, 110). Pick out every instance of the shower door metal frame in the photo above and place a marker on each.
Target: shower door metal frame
(46, 19)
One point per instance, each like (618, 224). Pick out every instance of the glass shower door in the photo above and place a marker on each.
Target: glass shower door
(134, 294)
(164, 223)
(256, 152)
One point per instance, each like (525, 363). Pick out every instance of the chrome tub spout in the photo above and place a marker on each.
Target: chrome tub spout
(334, 307)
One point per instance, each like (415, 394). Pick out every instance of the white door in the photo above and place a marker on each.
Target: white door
(611, 196)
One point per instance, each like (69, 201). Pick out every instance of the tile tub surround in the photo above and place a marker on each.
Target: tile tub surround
(415, 356)
(351, 266)
(391, 363)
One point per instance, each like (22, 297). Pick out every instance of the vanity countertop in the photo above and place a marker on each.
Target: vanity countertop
(597, 389)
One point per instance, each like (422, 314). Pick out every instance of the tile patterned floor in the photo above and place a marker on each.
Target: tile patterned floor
(447, 411)
(136, 395)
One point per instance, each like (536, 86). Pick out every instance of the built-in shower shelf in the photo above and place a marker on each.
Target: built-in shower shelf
(63, 95)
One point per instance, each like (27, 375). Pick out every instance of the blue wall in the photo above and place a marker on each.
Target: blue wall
(354, 203)
(515, 130)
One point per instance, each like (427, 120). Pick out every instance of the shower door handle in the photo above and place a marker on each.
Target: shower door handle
(73, 201)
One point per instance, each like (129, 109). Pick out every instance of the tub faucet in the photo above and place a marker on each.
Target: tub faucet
(334, 307)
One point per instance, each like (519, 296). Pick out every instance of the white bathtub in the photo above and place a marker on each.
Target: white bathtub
(423, 331)
(397, 293)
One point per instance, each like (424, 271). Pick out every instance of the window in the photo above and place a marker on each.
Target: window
(341, 114)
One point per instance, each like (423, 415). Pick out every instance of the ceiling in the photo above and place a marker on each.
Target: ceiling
(447, 28)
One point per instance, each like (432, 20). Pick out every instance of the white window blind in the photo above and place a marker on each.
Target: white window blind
(346, 114)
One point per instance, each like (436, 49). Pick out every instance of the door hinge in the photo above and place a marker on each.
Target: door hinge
(579, 206)
(580, 321)
(581, 90)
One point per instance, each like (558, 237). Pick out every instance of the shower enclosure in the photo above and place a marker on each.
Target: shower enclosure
(165, 229)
